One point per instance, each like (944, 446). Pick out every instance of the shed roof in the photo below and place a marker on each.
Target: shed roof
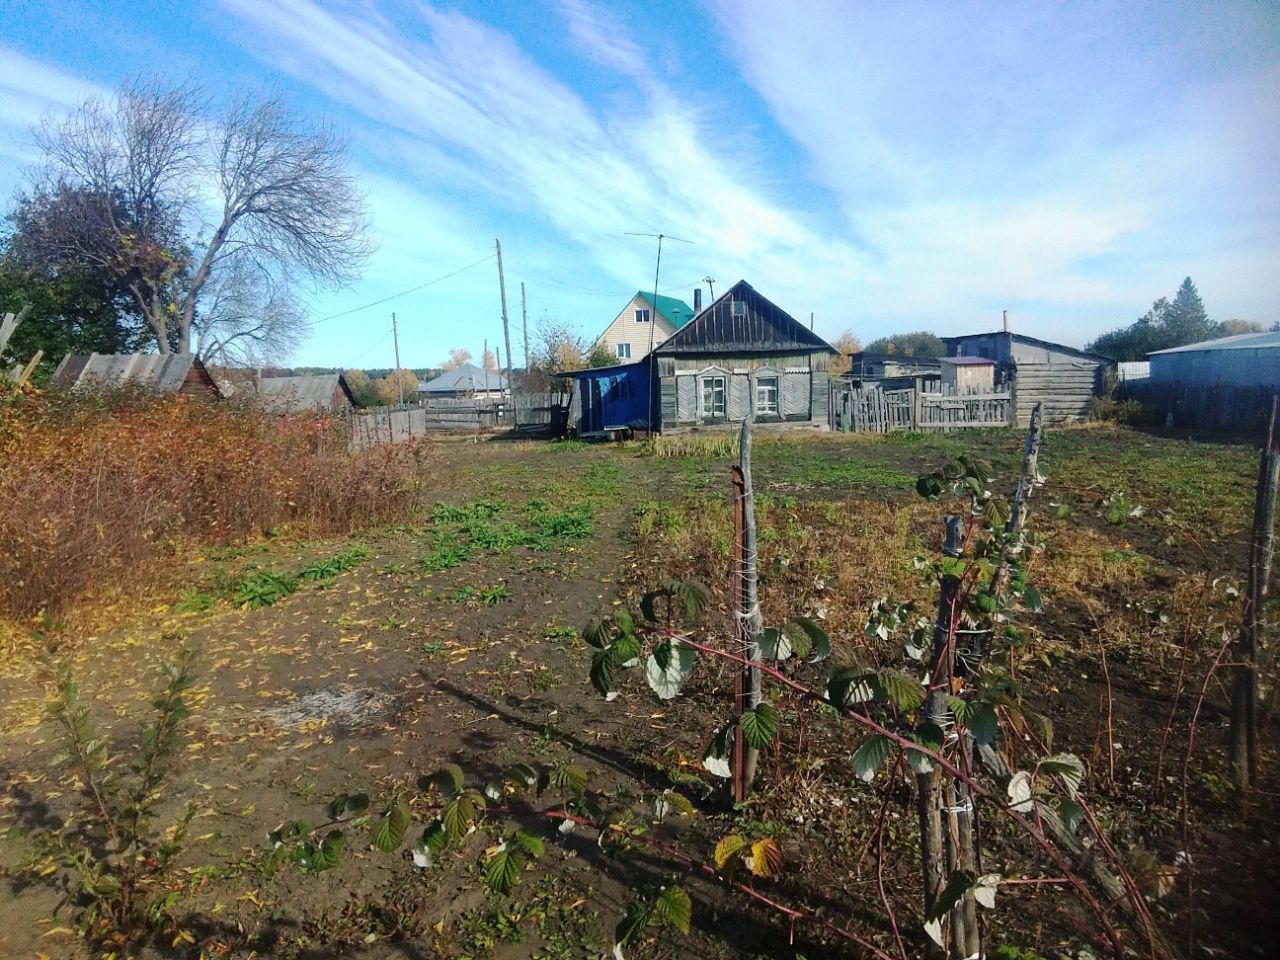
(165, 372)
(677, 312)
(762, 327)
(294, 394)
(1241, 341)
(464, 378)
(1034, 341)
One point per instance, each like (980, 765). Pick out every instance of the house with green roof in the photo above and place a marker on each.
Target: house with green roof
(639, 327)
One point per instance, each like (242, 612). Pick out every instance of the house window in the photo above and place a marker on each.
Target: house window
(713, 397)
(739, 308)
(767, 397)
(642, 316)
(624, 351)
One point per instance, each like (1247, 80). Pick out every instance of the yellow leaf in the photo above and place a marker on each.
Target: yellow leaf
(183, 937)
(52, 930)
(766, 857)
(727, 848)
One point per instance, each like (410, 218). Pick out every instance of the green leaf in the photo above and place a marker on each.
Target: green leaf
(522, 774)
(1032, 600)
(632, 924)
(980, 721)
(450, 780)
(668, 667)
(1070, 813)
(870, 757)
(928, 735)
(602, 668)
(626, 649)
(531, 842)
(1067, 767)
(694, 596)
(816, 635)
(597, 633)
(759, 725)
(957, 884)
(568, 778)
(904, 692)
(328, 854)
(394, 825)
(716, 760)
(984, 602)
(457, 815)
(673, 909)
(849, 685)
(502, 872)
(774, 644)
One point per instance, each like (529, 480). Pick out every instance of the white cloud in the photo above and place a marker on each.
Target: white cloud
(30, 90)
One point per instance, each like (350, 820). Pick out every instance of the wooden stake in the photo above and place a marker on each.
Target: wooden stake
(748, 624)
(1244, 690)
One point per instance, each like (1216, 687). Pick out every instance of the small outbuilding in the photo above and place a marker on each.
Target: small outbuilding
(159, 372)
(1064, 379)
(320, 393)
(1224, 384)
(465, 380)
(886, 366)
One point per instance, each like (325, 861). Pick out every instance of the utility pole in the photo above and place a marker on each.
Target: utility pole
(524, 321)
(506, 330)
(810, 319)
(395, 338)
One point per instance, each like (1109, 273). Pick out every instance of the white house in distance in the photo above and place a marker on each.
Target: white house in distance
(639, 327)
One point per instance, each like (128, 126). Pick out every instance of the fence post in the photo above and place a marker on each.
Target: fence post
(1244, 689)
(747, 617)
(917, 404)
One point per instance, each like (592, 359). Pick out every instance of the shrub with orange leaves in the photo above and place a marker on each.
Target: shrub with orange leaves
(98, 488)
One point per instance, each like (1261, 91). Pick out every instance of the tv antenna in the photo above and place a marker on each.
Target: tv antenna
(654, 318)
(710, 281)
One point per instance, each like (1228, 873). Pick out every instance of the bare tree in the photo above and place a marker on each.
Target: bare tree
(179, 201)
(247, 316)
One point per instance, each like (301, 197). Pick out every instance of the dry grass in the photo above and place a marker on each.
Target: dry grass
(99, 491)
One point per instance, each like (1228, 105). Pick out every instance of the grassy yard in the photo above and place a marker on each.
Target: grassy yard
(337, 666)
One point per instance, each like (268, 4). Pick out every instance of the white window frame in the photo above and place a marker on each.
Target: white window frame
(624, 351)
(771, 382)
(708, 382)
(643, 315)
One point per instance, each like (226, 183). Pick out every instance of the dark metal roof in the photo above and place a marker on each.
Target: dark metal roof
(1034, 341)
(465, 378)
(296, 394)
(164, 372)
(761, 327)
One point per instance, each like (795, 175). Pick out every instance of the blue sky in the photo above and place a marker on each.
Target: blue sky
(885, 167)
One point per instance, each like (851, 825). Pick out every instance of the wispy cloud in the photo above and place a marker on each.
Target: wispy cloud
(30, 90)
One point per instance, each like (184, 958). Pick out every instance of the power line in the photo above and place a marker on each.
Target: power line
(404, 293)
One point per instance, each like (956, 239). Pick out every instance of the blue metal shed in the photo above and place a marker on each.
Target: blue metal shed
(608, 399)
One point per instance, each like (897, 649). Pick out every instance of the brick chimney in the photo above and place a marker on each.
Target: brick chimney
(697, 300)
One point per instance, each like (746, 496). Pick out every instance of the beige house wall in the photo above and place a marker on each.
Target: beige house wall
(624, 329)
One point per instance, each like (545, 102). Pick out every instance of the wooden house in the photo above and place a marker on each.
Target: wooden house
(466, 380)
(643, 323)
(743, 356)
(158, 372)
(1064, 379)
(321, 393)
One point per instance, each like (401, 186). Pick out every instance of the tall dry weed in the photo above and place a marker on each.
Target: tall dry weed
(97, 490)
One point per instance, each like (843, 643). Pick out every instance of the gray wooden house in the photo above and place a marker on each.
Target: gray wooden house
(1063, 378)
(743, 356)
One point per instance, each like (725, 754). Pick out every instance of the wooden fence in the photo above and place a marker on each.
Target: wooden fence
(526, 414)
(925, 406)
